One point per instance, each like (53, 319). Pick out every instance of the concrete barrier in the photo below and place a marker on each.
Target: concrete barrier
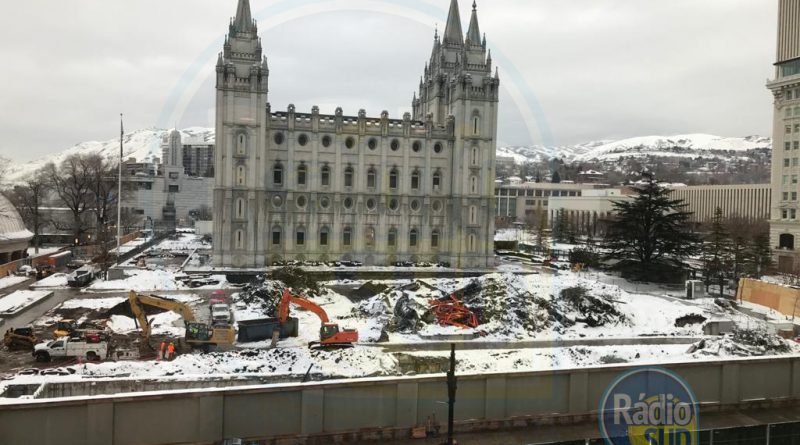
(379, 408)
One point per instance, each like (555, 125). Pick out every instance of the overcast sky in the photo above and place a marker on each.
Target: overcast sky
(572, 71)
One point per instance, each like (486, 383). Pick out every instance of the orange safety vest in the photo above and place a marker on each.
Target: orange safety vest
(171, 349)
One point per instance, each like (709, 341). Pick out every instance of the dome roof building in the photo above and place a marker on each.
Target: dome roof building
(14, 237)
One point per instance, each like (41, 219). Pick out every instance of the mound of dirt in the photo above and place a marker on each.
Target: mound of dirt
(690, 319)
(264, 296)
(298, 280)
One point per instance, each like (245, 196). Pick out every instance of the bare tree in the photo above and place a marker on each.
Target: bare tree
(72, 182)
(28, 197)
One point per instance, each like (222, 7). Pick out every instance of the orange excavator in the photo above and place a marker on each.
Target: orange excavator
(329, 334)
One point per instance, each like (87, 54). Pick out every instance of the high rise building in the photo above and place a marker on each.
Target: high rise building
(308, 186)
(784, 223)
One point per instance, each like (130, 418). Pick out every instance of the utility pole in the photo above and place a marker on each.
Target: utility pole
(119, 187)
(452, 386)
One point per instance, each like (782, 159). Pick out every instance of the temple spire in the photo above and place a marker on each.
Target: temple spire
(452, 32)
(474, 32)
(244, 19)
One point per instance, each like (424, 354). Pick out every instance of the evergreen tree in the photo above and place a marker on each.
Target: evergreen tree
(760, 254)
(717, 255)
(560, 227)
(556, 178)
(651, 230)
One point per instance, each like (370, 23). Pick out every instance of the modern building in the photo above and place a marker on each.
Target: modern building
(526, 202)
(747, 201)
(588, 214)
(14, 237)
(784, 223)
(179, 190)
(310, 186)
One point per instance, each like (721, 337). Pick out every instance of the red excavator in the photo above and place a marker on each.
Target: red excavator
(329, 334)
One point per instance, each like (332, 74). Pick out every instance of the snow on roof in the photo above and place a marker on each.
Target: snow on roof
(12, 228)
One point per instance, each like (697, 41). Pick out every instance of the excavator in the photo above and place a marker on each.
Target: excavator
(198, 335)
(330, 336)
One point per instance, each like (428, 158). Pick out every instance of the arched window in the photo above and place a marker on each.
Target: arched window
(415, 180)
(473, 215)
(473, 185)
(392, 238)
(371, 178)
(239, 239)
(413, 238)
(476, 125)
(276, 236)
(437, 181)
(240, 208)
(240, 176)
(472, 243)
(300, 237)
(394, 179)
(302, 172)
(326, 176)
(323, 237)
(277, 174)
(241, 144)
(435, 239)
(348, 177)
(474, 156)
(347, 237)
(369, 235)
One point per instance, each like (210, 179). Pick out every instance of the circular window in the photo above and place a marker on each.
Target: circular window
(349, 142)
(371, 204)
(326, 141)
(415, 205)
(301, 202)
(417, 146)
(277, 201)
(324, 202)
(395, 145)
(348, 203)
(437, 206)
(372, 144)
(302, 140)
(438, 147)
(394, 205)
(279, 138)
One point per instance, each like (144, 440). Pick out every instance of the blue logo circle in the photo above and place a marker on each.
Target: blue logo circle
(649, 406)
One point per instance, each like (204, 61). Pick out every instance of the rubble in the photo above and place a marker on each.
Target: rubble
(690, 319)
(744, 342)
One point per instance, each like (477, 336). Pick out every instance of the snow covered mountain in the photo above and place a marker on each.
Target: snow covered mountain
(142, 145)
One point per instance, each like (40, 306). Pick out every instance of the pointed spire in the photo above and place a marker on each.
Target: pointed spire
(436, 32)
(474, 32)
(244, 20)
(452, 32)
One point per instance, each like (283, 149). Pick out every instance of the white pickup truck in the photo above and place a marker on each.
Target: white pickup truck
(65, 347)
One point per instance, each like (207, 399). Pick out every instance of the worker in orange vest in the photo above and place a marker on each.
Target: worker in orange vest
(162, 350)
(170, 351)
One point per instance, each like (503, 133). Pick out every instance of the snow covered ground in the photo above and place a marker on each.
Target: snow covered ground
(142, 280)
(186, 242)
(634, 315)
(53, 281)
(21, 299)
(12, 280)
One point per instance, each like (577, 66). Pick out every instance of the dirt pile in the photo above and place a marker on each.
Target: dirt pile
(298, 280)
(744, 343)
(264, 296)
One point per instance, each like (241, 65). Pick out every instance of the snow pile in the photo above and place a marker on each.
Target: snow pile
(21, 299)
(93, 303)
(165, 323)
(745, 343)
(184, 242)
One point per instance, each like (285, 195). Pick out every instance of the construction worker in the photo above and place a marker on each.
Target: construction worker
(170, 351)
(161, 350)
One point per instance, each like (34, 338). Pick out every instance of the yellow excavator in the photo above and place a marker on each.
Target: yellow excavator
(198, 335)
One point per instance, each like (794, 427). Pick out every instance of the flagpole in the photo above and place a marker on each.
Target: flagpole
(119, 187)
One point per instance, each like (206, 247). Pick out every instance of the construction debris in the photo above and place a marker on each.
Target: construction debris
(452, 312)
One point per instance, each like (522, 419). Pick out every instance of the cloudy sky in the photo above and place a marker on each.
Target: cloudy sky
(572, 71)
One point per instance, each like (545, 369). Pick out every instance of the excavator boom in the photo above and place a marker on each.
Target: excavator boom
(330, 334)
